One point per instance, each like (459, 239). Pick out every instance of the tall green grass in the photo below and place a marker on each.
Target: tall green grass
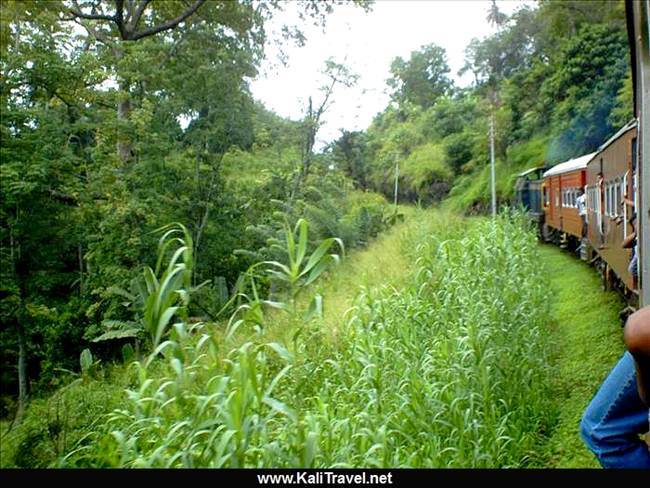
(449, 370)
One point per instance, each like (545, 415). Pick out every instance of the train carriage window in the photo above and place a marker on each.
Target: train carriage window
(606, 199)
(619, 197)
(594, 196)
(574, 198)
(610, 203)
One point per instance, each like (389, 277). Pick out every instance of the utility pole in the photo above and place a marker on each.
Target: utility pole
(492, 177)
(396, 179)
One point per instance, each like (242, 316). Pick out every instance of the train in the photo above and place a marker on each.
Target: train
(610, 227)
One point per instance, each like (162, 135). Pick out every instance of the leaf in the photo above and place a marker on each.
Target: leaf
(162, 324)
(321, 267)
(277, 305)
(318, 254)
(281, 351)
(85, 360)
(315, 308)
(119, 324)
(116, 290)
(116, 334)
(302, 242)
(280, 407)
(127, 353)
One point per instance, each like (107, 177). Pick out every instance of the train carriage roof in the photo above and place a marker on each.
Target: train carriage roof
(570, 165)
(529, 171)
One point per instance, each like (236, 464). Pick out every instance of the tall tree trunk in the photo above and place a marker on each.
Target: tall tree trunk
(14, 251)
(22, 370)
(310, 138)
(124, 144)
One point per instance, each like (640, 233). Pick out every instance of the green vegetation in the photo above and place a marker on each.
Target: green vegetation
(587, 342)
(430, 375)
(111, 131)
(555, 78)
(290, 315)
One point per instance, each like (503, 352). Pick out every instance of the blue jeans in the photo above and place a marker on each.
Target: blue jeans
(614, 419)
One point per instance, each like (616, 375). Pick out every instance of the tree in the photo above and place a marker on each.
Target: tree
(335, 73)
(422, 79)
(43, 137)
(74, 217)
(590, 71)
(495, 16)
(349, 151)
(118, 24)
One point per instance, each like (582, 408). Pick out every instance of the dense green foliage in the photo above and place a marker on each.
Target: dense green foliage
(107, 136)
(441, 373)
(555, 77)
(226, 338)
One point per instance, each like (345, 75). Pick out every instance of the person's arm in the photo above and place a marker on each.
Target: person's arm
(627, 201)
(637, 341)
(629, 241)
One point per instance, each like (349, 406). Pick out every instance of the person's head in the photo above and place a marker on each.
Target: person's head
(581, 191)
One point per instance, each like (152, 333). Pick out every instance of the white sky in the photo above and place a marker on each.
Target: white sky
(368, 42)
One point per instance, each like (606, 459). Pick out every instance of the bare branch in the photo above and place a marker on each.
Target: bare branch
(78, 13)
(97, 34)
(138, 14)
(170, 24)
(119, 18)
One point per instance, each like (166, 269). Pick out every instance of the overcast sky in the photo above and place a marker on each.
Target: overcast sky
(368, 42)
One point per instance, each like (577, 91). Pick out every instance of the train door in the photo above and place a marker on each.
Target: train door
(553, 207)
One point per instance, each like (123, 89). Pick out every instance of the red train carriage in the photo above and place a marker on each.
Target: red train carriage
(560, 191)
(611, 181)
